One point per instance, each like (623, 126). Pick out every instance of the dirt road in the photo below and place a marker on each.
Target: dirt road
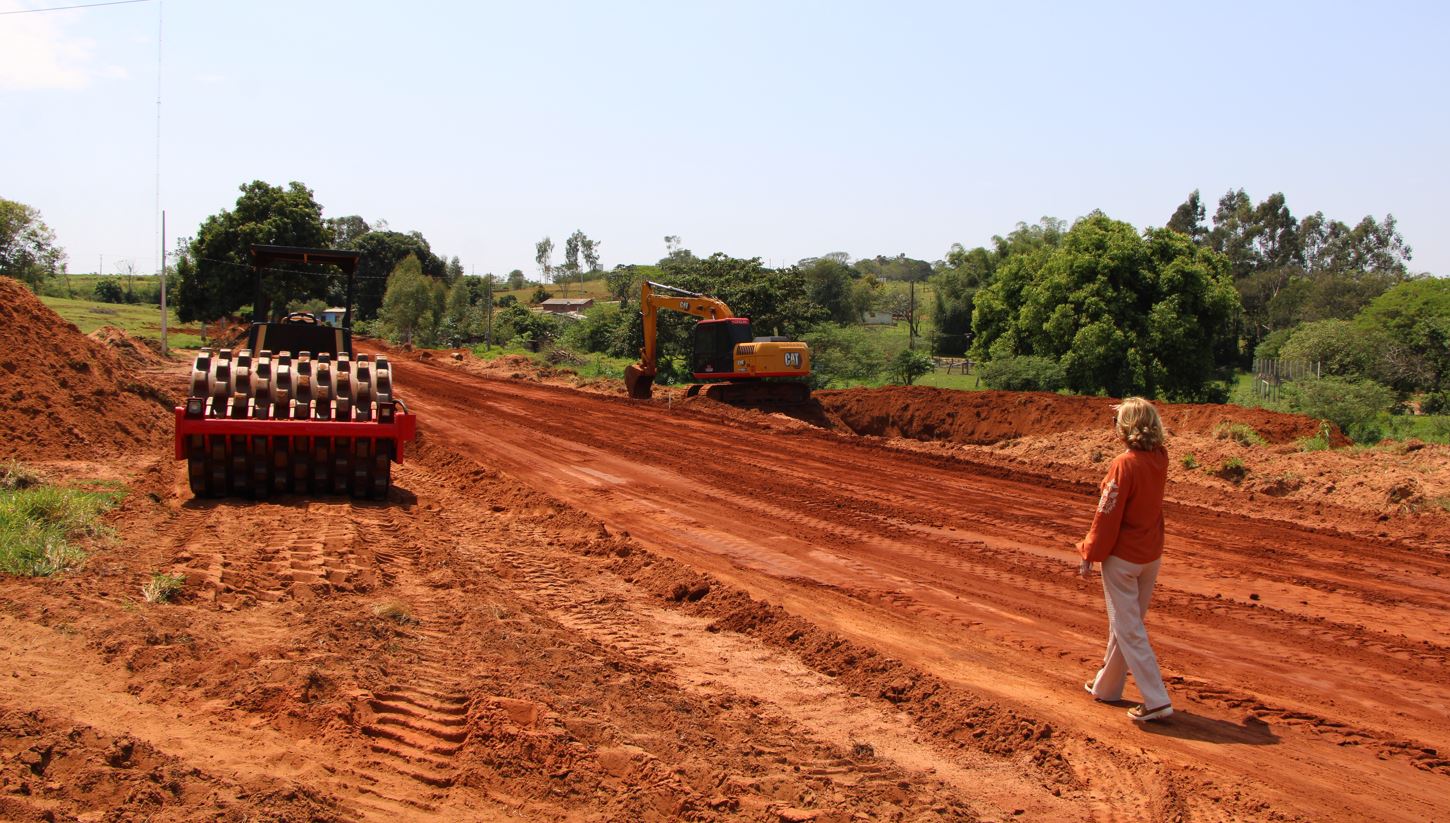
(1309, 666)
(576, 607)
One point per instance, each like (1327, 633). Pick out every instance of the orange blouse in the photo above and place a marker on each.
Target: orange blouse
(1129, 520)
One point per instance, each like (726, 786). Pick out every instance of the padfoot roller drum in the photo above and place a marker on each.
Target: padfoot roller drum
(259, 424)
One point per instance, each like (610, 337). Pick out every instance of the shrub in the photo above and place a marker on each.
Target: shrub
(1435, 402)
(109, 291)
(909, 364)
(1353, 405)
(1319, 442)
(1190, 461)
(1025, 373)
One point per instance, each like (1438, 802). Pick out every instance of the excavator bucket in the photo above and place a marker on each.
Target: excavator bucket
(639, 381)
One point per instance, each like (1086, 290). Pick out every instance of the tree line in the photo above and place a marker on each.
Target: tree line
(1097, 306)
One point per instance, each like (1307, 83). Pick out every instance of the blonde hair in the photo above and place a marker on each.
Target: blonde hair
(1139, 425)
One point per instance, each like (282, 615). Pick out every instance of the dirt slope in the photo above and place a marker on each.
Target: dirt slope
(64, 395)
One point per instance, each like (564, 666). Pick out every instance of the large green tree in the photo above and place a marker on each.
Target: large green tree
(214, 275)
(1415, 315)
(28, 251)
(1124, 313)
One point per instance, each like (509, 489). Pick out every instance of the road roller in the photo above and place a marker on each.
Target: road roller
(291, 407)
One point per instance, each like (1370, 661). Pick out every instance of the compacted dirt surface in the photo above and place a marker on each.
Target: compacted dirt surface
(578, 607)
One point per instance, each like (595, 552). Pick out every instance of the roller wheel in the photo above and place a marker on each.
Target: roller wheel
(341, 465)
(216, 467)
(196, 465)
(239, 467)
(301, 464)
(362, 467)
(321, 465)
(281, 465)
(382, 476)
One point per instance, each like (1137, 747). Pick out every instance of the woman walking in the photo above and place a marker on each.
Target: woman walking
(1126, 537)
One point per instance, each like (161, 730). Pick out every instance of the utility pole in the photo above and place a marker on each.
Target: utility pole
(164, 349)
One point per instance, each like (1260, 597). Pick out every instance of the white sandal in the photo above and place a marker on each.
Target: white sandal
(1143, 714)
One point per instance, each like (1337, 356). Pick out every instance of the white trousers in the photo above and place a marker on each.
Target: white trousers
(1128, 587)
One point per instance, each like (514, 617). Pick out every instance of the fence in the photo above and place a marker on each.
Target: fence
(1271, 373)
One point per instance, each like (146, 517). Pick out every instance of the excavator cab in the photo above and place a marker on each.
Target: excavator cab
(715, 342)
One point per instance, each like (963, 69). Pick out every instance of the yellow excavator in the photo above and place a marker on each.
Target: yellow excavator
(725, 350)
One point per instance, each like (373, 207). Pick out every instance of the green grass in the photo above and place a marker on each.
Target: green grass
(162, 587)
(135, 320)
(40, 525)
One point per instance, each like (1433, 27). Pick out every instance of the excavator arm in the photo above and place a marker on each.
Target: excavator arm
(639, 377)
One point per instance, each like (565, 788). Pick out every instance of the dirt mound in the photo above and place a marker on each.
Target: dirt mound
(982, 418)
(64, 395)
(135, 352)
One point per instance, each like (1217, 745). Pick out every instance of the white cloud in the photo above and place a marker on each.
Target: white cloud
(36, 52)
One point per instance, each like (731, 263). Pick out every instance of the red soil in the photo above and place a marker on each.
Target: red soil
(64, 395)
(579, 607)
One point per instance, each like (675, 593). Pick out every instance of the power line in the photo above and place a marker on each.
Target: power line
(68, 8)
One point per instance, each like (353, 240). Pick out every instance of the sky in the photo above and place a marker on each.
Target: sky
(780, 130)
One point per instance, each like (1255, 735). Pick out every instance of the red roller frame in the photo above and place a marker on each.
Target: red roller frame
(404, 427)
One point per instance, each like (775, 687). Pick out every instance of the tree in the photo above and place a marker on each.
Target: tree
(452, 270)
(457, 314)
(829, 285)
(344, 232)
(1339, 347)
(1416, 316)
(1187, 219)
(408, 303)
(1123, 313)
(215, 278)
(381, 252)
(28, 251)
(515, 280)
(543, 252)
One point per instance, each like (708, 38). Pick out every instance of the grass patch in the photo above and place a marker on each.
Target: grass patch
(1319, 442)
(15, 475)
(162, 587)
(396, 612)
(138, 320)
(1240, 433)
(1190, 461)
(1231, 469)
(40, 524)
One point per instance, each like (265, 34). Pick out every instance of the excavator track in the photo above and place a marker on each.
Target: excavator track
(317, 449)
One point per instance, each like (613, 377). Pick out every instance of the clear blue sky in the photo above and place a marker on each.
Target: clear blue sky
(774, 129)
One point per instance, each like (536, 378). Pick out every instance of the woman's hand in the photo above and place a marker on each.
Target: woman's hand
(1085, 569)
